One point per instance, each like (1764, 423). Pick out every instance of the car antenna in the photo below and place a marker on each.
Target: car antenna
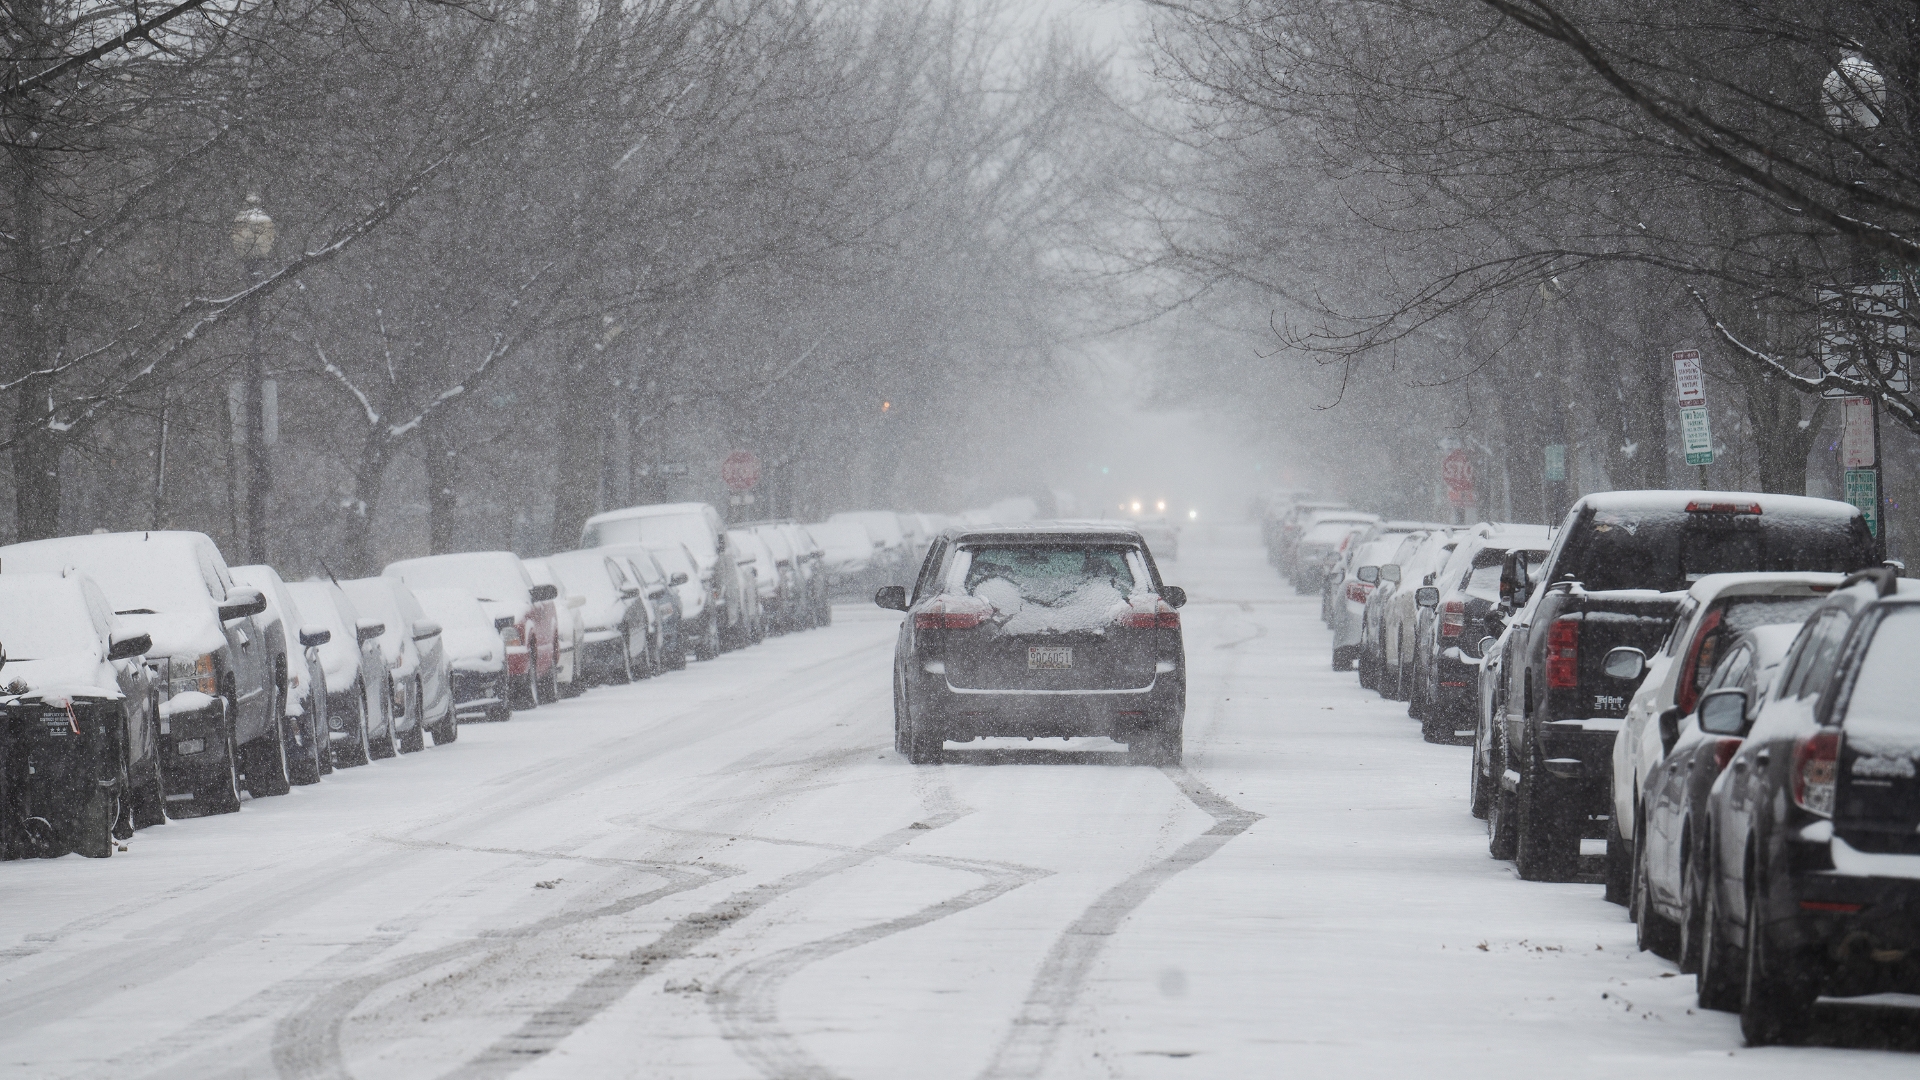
(329, 570)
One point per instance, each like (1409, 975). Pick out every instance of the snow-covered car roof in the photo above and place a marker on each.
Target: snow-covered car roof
(162, 583)
(654, 510)
(1034, 532)
(1714, 585)
(1512, 541)
(1678, 501)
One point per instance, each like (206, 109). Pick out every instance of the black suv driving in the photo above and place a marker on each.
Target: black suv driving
(1041, 631)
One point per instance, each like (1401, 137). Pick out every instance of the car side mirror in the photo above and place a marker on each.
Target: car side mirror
(503, 622)
(243, 601)
(1426, 596)
(1723, 711)
(1624, 662)
(628, 592)
(540, 594)
(367, 629)
(1390, 572)
(1368, 574)
(1174, 595)
(892, 597)
(677, 579)
(128, 646)
(1487, 645)
(424, 629)
(312, 636)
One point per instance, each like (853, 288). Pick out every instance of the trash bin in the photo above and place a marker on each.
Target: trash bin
(62, 777)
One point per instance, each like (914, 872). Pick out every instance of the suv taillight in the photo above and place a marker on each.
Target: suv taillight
(1357, 591)
(1161, 618)
(1816, 764)
(1453, 618)
(1563, 655)
(941, 616)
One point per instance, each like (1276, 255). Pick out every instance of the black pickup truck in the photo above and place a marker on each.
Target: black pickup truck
(1615, 576)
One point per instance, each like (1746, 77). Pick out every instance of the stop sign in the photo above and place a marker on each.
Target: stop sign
(741, 470)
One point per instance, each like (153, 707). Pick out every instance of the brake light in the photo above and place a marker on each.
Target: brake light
(939, 615)
(1698, 507)
(1358, 591)
(1453, 618)
(1563, 655)
(1723, 751)
(1161, 618)
(510, 635)
(1816, 764)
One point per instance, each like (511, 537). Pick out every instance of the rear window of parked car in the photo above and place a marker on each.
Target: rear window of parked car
(1886, 685)
(1667, 550)
(1047, 575)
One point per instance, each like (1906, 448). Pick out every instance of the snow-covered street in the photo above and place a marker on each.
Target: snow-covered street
(728, 872)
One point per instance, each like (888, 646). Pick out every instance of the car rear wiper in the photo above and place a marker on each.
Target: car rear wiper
(137, 611)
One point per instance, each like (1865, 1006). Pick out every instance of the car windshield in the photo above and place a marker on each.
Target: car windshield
(654, 530)
(1048, 587)
(1667, 550)
(135, 577)
(491, 576)
(1880, 717)
(40, 620)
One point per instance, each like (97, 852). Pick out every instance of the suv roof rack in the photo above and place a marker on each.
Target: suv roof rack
(1885, 579)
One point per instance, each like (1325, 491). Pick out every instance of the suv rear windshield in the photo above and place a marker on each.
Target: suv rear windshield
(1880, 718)
(1049, 586)
(1667, 550)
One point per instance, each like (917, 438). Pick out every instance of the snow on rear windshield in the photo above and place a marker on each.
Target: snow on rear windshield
(690, 529)
(1049, 587)
(1881, 724)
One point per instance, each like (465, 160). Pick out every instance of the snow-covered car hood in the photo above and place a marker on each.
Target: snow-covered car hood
(60, 676)
(467, 644)
(184, 635)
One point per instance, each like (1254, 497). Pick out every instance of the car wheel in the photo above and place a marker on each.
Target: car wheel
(222, 795)
(358, 748)
(304, 760)
(626, 658)
(549, 684)
(707, 645)
(1619, 866)
(94, 825)
(415, 740)
(1367, 679)
(1546, 847)
(1718, 983)
(1479, 788)
(925, 741)
(266, 756)
(1777, 995)
(149, 793)
(901, 723)
(386, 745)
(1652, 931)
(1692, 920)
(1503, 812)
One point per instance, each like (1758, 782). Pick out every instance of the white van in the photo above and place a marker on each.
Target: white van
(698, 526)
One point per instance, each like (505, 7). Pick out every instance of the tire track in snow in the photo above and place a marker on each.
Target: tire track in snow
(1057, 985)
(545, 1030)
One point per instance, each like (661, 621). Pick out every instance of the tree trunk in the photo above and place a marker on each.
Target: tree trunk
(36, 450)
(582, 415)
(443, 480)
(1783, 436)
(356, 545)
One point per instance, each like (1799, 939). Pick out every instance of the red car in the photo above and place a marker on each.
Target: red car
(522, 611)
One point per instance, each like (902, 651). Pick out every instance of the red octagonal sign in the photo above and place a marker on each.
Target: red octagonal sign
(741, 470)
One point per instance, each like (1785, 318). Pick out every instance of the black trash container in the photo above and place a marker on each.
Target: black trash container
(62, 778)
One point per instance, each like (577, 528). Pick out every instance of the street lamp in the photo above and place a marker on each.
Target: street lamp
(252, 236)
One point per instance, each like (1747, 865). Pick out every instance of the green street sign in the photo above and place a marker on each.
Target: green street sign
(1863, 491)
(1696, 435)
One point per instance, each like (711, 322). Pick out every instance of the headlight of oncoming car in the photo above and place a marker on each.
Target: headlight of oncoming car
(197, 675)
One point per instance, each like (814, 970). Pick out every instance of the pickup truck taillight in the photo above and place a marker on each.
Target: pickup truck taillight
(1816, 763)
(1563, 655)
(1453, 618)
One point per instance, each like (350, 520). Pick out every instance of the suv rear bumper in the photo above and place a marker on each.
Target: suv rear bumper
(965, 713)
(1862, 933)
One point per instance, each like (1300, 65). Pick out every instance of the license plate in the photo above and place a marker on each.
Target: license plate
(1049, 658)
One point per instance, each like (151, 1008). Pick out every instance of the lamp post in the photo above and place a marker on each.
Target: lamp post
(252, 237)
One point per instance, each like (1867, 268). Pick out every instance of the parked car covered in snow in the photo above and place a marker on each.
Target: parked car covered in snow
(573, 626)
(893, 553)
(82, 764)
(476, 656)
(416, 661)
(849, 554)
(359, 682)
(221, 712)
(305, 678)
(1041, 631)
(1454, 620)
(500, 582)
(722, 613)
(615, 642)
(681, 568)
(660, 594)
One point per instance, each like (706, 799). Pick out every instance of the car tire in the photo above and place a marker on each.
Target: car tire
(1718, 983)
(1479, 788)
(1619, 867)
(626, 658)
(414, 740)
(1653, 932)
(1692, 909)
(1368, 678)
(707, 645)
(222, 794)
(1777, 994)
(549, 684)
(925, 741)
(357, 749)
(304, 764)
(148, 795)
(1545, 848)
(900, 718)
(94, 825)
(1503, 816)
(266, 757)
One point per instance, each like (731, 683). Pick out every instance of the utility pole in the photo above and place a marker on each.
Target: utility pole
(253, 241)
